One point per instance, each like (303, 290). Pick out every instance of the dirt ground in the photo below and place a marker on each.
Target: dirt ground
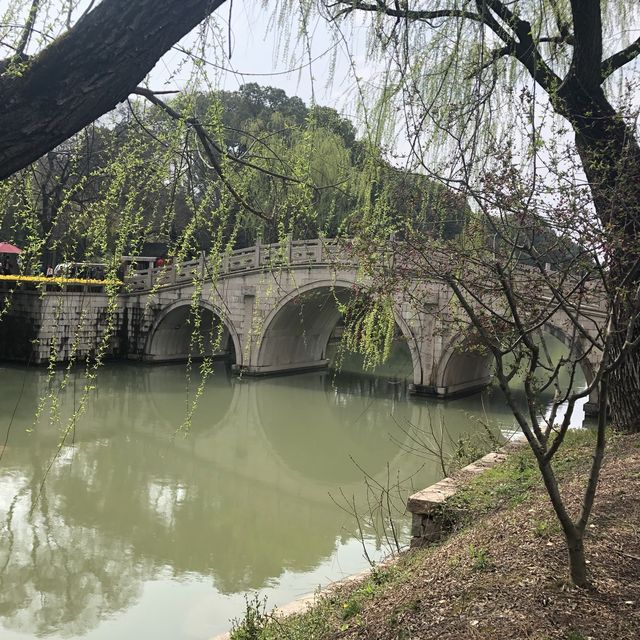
(506, 576)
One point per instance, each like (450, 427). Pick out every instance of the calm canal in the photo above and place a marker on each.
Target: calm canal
(134, 530)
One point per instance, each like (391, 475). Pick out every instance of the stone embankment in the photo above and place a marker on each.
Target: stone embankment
(428, 507)
(503, 572)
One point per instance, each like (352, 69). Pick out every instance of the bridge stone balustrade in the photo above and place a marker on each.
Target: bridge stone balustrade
(272, 308)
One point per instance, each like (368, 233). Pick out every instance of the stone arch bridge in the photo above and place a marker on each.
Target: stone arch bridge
(272, 308)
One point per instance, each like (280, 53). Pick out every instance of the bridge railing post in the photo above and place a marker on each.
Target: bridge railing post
(256, 254)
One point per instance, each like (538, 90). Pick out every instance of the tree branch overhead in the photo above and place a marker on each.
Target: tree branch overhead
(86, 72)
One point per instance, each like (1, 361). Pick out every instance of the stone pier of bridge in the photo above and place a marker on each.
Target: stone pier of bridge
(270, 308)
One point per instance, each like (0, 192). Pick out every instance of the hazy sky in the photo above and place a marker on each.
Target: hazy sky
(259, 53)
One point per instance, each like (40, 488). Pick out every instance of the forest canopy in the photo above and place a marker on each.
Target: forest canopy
(142, 174)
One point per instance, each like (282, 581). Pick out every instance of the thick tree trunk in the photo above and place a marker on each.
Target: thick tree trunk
(87, 72)
(610, 156)
(625, 386)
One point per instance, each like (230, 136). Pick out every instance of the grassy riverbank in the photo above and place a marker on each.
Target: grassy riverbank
(503, 572)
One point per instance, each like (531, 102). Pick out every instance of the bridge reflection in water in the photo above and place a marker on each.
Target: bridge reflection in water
(143, 531)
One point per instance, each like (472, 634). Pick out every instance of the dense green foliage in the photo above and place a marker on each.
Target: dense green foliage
(142, 175)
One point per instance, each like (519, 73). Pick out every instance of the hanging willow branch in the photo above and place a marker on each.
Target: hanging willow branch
(209, 146)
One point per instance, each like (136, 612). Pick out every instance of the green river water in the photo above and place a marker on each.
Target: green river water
(134, 530)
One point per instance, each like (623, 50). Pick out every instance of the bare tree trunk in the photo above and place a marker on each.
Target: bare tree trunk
(572, 533)
(624, 393)
(577, 562)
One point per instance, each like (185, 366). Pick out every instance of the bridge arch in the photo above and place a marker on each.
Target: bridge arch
(586, 364)
(560, 334)
(462, 370)
(171, 333)
(296, 332)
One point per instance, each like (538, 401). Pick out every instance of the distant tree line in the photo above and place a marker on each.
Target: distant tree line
(302, 167)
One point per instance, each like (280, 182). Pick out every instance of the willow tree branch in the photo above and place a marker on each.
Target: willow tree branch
(494, 14)
(28, 27)
(152, 96)
(619, 59)
(209, 148)
(398, 12)
(524, 47)
(87, 72)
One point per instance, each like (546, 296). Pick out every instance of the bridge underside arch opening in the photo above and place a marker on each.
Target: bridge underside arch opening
(556, 345)
(466, 369)
(560, 344)
(297, 335)
(184, 332)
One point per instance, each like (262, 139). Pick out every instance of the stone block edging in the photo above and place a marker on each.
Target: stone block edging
(426, 506)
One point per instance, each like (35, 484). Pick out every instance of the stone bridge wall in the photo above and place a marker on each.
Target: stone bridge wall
(37, 326)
